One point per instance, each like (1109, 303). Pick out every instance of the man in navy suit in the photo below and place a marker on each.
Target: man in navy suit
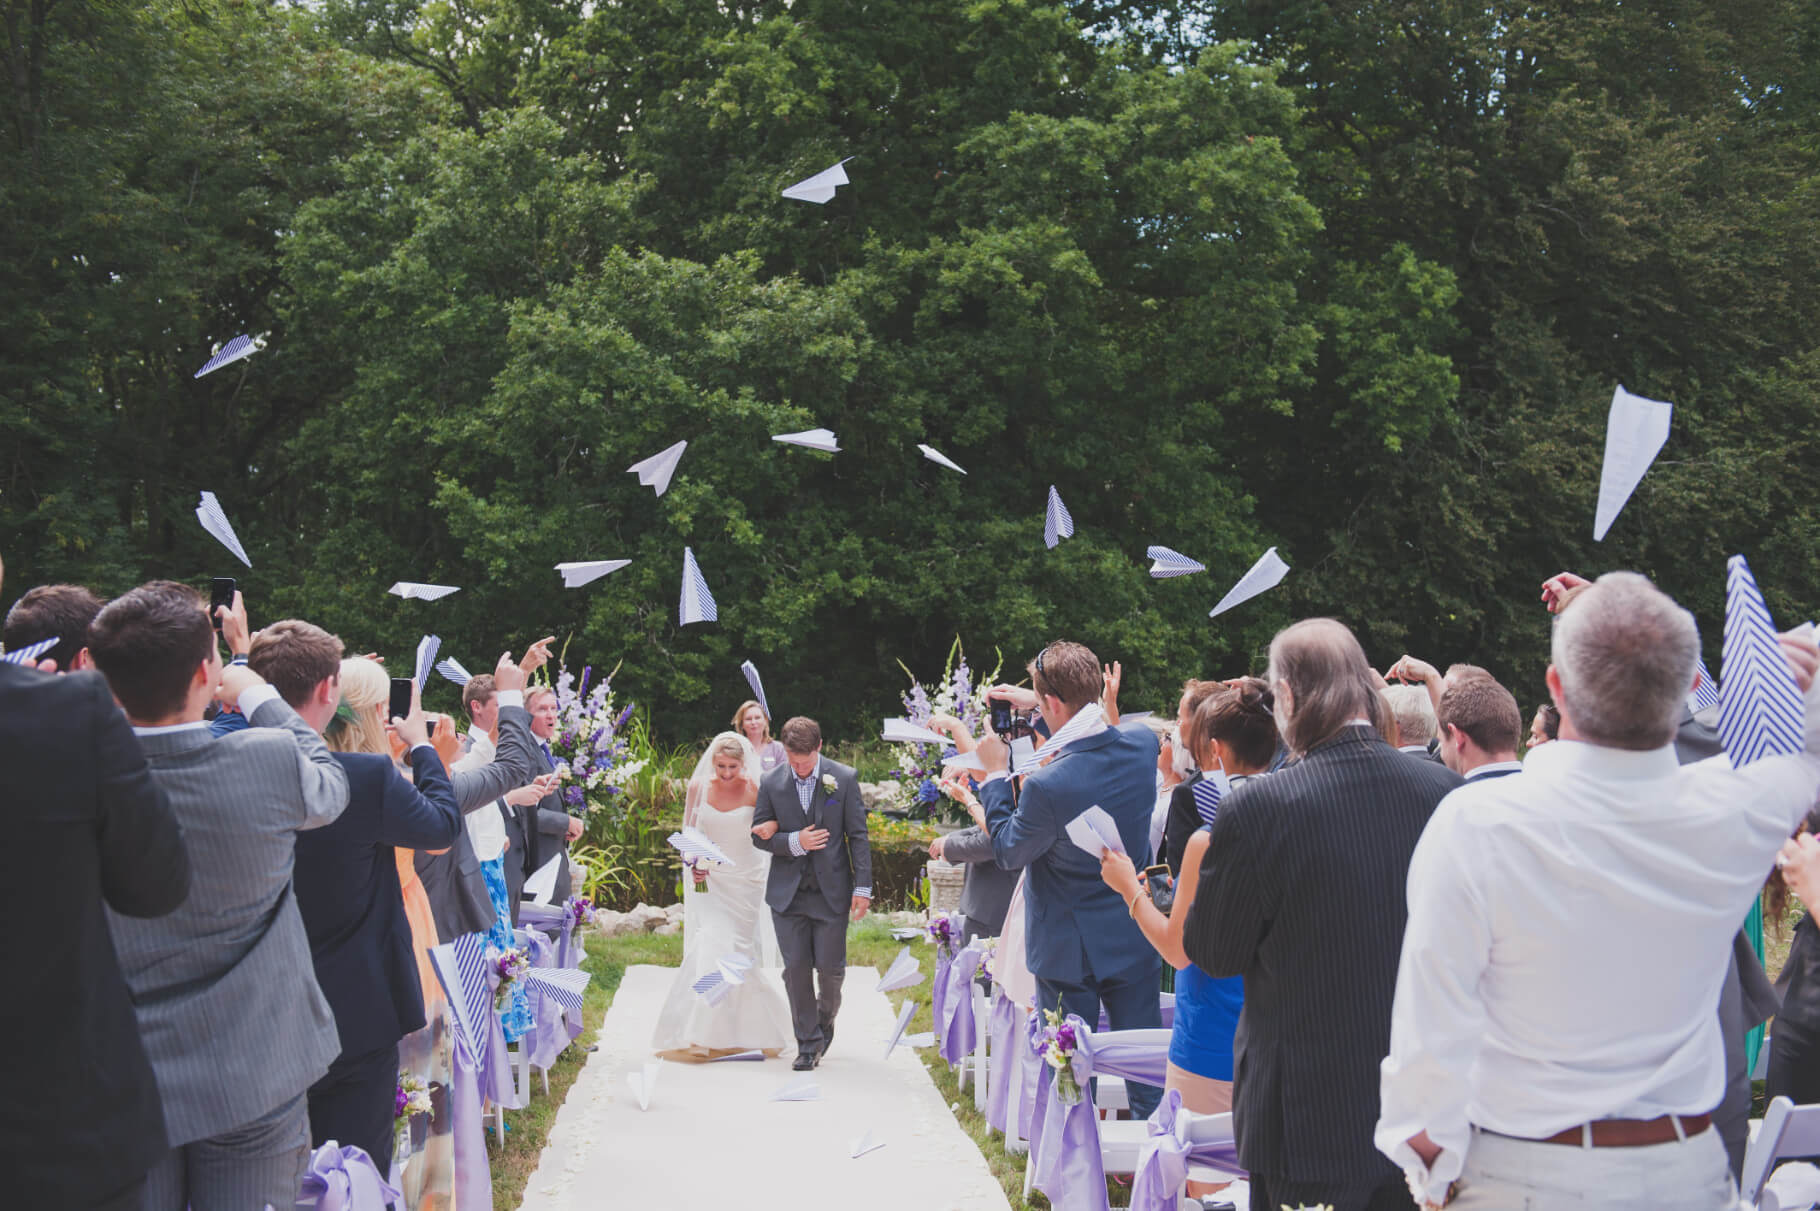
(346, 879)
(1083, 946)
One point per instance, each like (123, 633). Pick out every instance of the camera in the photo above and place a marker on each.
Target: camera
(1006, 722)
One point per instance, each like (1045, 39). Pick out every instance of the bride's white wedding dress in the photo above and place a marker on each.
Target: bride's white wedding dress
(729, 918)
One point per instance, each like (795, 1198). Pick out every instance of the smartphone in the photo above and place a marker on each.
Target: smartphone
(430, 726)
(221, 593)
(400, 705)
(1157, 876)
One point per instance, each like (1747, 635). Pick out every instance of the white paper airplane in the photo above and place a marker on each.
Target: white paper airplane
(574, 575)
(802, 1089)
(754, 1056)
(451, 669)
(697, 603)
(1635, 431)
(903, 973)
(691, 842)
(924, 1038)
(655, 472)
(936, 456)
(643, 1082)
(904, 1014)
(1266, 573)
(964, 761)
(820, 187)
(216, 523)
(423, 592)
(815, 439)
(427, 648)
(1058, 523)
(902, 731)
(235, 350)
(866, 1143)
(758, 687)
(1094, 831)
(1166, 563)
(542, 885)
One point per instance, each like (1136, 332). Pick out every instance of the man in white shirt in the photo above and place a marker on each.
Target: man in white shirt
(1479, 727)
(1554, 1040)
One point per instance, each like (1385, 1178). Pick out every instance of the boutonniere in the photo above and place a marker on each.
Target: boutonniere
(828, 783)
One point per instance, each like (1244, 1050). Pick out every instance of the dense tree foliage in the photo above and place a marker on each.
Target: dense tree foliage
(1351, 280)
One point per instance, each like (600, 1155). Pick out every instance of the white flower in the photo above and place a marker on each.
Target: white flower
(828, 783)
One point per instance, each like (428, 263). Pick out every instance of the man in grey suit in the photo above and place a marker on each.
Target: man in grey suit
(227, 1005)
(548, 827)
(986, 895)
(821, 877)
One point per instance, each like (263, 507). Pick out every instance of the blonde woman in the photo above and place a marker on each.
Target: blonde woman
(724, 915)
(751, 721)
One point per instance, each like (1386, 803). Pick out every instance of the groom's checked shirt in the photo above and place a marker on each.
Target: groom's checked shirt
(805, 791)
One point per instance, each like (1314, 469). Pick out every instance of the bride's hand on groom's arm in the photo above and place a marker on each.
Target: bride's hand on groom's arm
(765, 831)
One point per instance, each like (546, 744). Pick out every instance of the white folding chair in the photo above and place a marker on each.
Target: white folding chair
(1788, 1132)
(1121, 1140)
(979, 1064)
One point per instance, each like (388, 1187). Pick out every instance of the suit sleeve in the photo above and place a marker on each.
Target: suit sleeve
(322, 783)
(145, 866)
(968, 845)
(423, 815)
(1022, 831)
(1229, 916)
(766, 810)
(515, 763)
(859, 844)
(1182, 822)
(553, 821)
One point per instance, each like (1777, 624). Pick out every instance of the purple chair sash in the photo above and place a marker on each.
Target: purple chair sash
(1065, 1150)
(546, 1037)
(1163, 1164)
(938, 990)
(496, 1065)
(558, 923)
(473, 1176)
(346, 1179)
(1035, 1080)
(955, 1030)
(1001, 1028)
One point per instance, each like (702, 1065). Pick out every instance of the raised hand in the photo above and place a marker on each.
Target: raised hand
(414, 728)
(507, 675)
(1409, 668)
(236, 632)
(1021, 697)
(537, 655)
(1556, 587)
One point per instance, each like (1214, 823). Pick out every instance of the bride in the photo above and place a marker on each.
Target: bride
(724, 915)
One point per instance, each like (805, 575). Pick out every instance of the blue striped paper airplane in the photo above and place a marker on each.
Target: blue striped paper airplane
(1761, 712)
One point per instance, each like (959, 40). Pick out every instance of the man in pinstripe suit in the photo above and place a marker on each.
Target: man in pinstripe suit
(227, 1005)
(1302, 894)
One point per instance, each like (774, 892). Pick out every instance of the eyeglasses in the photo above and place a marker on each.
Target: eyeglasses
(1041, 654)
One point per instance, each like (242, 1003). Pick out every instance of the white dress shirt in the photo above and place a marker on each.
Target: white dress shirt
(1568, 934)
(1494, 767)
(486, 825)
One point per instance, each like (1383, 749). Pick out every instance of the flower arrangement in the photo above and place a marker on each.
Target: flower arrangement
(959, 694)
(589, 744)
(1057, 1045)
(412, 1098)
(988, 959)
(511, 965)
(581, 911)
(944, 930)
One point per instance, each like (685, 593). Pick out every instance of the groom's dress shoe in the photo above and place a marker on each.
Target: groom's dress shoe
(827, 1040)
(805, 1060)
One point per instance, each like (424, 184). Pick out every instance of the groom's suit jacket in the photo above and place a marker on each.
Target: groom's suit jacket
(840, 866)
(223, 988)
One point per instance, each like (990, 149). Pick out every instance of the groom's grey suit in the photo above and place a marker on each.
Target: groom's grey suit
(810, 895)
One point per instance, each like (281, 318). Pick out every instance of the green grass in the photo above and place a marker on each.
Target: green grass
(869, 944)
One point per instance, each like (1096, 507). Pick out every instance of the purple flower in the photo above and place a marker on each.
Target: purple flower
(573, 796)
(1065, 1036)
(623, 716)
(399, 1102)
(581, 691)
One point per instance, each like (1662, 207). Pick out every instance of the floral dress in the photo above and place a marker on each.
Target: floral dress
(516, 1018)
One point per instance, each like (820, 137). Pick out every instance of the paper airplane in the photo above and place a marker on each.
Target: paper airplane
(452, 671)
(1058, 523)
(30, 652)
(802, 1089)
(820, 187)
(216, 523)
(964, 761)
(755, 1056)
(426, 658)
(697, 603)
(906, 934)
(1134, 716)
(574, 575)
(903, 973)
(718, 983)
(866, 1143)
(902, 731)
(936, 456)
(236, 349)
(542, 885)
(692, 843)
(815, 439)
(643, 1082)
(1165, 563)
(422, 592)
(924, 1038)
(1761, 710)
(1706, 693)
(758, 687)
(655, 472)
(904, 1014)
(1094, 831)
(1635, 431)
(1266, 573)
(564, 985)
(1023, 752)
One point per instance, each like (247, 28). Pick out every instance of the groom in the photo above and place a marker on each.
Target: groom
(821, 875)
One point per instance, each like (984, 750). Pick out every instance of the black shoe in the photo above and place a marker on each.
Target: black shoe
(805, 1060)
(827, 1040)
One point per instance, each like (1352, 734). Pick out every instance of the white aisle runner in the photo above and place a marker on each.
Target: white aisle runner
(713, 1137)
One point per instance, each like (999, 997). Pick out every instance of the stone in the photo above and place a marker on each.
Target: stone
(945, 882)
(904, 919)
(673, 912)
(879, 796)
(647, 917)
(669, 930)
(610, 924)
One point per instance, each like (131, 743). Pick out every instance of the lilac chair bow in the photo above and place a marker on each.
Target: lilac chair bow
(496, 1064)
(1065, 1150)
(557, 921)
(1167, 1154)
(1034, 1085)
(546, 1037)
(1001, 1028)
(346, 1179)
(938, 990)
(955, 1031)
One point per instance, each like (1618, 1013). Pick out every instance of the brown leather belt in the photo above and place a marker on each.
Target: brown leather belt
(1632, 1133)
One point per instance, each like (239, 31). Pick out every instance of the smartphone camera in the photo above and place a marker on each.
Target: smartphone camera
(221, 595)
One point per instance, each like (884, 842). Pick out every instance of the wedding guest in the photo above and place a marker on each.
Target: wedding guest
(92, 828)
(549, 827)
(220, 981)
(1301, 893)
(1080, 941)
(1413, 717)
(1794, 1048)
(986, 891)
(54, 611)
(1174, 766)
(1545, 726)
(347, 885)
(1582, 1061)
(1183, 817)
(751, 722)
(1480, 727)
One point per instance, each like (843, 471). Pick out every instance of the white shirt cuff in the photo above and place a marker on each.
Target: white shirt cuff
(254, 697)
(995, 775)
(510, 697)
(796, 845)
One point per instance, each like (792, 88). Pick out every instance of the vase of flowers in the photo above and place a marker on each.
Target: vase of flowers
(958, 694)
(1057, 1045)
(511, 965)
